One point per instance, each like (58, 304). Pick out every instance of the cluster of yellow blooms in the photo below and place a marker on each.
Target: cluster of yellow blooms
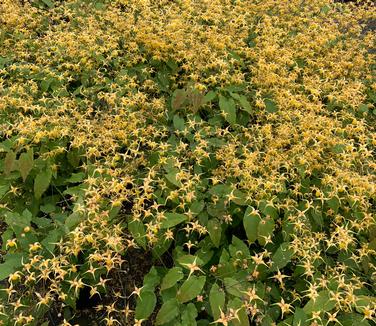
(87, 71)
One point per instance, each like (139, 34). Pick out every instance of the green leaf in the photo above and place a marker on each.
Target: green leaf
(99, 5)
(173, 65)
(300, 317)
(325, 9)
(265, 230)
(334, 204)
(338, 148)
(238, 249)
(6, 145)
(317, 217)
(11, 264)
(363, 301)
(145, 304)
(53, 237)
(161, 247)
(9, 162)
(197, 207)
(73, 220)
(7, 235)
(178, 123)
(210, 96)
(227, 106)
(78, 191)
(17, 222)
(74, 157)
(26, 162)
(178, 98)
(245, 105)
(163, 80)
(220, 190)
(234, 287)
(3, 189)
(48, 208)
(173, 219)
(217, 300)
(189, 315)
(3, 61)
(240, 198)
(250, 222)
(49, 3)
(269, 210)
(189, 259)
(281, 257)
(235, 96)
(270, 106)
(237, 305)
(114, 211)
(196, 99)
(235, 88)
(168, 312)
(173, 276)
(169, 293)
(351, 319)
(76, 177)
(322, 303)
(137, 229)
(225, 270)
(191, 288)
(215, 231)
(45, 84)
(41, 182)
(235, 56)
(151, 280)
(267, 321)
(205, 255)
(42, 222)
(363, 108)
(171, 177)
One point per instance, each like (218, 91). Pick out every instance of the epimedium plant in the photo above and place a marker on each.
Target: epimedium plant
(27, 175)
(233, 141)
(215, 267)
(42, 204)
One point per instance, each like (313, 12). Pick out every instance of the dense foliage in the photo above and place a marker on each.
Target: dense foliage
(229, 143)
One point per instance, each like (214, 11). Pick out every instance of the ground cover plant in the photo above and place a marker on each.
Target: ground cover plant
(187, 162)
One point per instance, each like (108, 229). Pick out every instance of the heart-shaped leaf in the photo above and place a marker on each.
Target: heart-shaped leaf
(173, 276)
(9, 162)
(227, 106)
(42, 182)
(173, 219)
(25, 164)
(215, 231)
(217, 300)
(251, 221)
(168, 312)
(145, 304)
(191, 288)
